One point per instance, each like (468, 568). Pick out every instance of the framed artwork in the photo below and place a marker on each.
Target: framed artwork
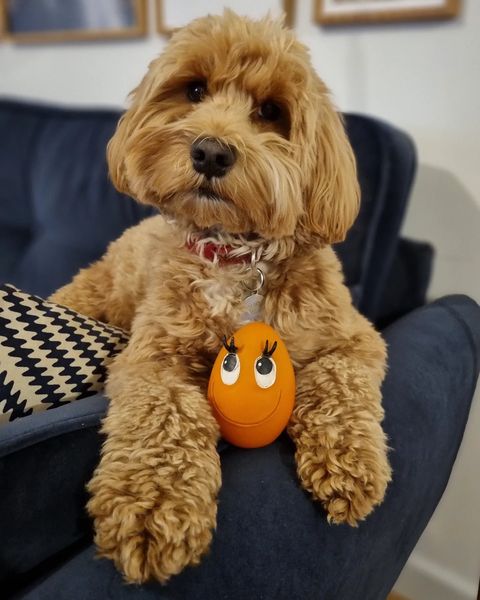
(37, 21)
(343, 12)
(171, 16)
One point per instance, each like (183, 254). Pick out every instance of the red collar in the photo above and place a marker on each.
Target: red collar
(222, 252)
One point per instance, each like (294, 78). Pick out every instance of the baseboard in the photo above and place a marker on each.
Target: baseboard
(422, 579)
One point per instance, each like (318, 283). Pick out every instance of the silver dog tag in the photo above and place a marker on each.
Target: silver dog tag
(252, 308)
(253, 303)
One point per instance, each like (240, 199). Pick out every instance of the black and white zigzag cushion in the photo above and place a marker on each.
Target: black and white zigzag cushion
(49, 355)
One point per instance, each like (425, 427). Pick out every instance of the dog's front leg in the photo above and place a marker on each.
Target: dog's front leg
(154, 491)
(336, 425)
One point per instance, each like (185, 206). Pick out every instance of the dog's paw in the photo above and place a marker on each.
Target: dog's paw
(153, 543)
(153, 525)
(349, 482)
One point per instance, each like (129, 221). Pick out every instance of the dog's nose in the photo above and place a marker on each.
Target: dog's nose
(211, 158)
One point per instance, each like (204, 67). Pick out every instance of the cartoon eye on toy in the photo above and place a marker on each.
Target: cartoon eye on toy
(230, 369)
(252, 401)
(265, 367)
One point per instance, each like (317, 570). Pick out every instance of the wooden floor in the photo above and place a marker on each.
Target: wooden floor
(395, 596)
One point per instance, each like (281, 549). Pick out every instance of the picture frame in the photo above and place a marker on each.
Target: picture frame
(351, 12)
(165, 27)
(28, 22)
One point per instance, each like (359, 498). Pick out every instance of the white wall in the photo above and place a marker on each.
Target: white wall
(425, 78)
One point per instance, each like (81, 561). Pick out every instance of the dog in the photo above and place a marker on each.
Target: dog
(233, 137)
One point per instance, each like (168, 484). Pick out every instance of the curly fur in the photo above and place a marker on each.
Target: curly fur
(292, 192)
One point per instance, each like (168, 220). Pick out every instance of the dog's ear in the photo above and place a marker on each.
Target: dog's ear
(332, 195)
(116, 153)
(117, 146)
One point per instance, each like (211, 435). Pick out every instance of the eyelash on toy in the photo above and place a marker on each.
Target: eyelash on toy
(229, 347)
(266, 352)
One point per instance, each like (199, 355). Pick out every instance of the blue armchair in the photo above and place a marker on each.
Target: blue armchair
(58, 212)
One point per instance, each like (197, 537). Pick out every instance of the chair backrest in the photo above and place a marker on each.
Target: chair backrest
(386, 164)
(58, 210)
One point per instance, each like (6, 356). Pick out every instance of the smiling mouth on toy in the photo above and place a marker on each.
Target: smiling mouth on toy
(240, 424)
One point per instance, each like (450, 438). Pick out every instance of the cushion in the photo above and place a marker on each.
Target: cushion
(49, 355)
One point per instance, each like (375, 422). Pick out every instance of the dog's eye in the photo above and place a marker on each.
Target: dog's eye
(196, 91)
(269, 111)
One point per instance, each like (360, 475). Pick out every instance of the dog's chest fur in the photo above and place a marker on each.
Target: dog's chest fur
(225, 292)
(198, 301)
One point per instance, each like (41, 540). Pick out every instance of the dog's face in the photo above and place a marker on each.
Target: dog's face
(231, 127)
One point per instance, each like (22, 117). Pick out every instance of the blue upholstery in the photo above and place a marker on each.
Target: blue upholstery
(58, 209)
(58, 212)
(386, 162)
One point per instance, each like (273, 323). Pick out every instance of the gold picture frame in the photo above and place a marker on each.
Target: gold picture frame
(288, 7)
(138, 29)
(326, 14)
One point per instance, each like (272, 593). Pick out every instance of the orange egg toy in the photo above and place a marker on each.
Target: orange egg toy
(252, 386)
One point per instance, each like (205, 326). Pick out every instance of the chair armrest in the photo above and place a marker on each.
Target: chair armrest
(45, 461)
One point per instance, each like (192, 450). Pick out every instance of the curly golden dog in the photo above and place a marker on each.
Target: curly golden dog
(232, 136)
